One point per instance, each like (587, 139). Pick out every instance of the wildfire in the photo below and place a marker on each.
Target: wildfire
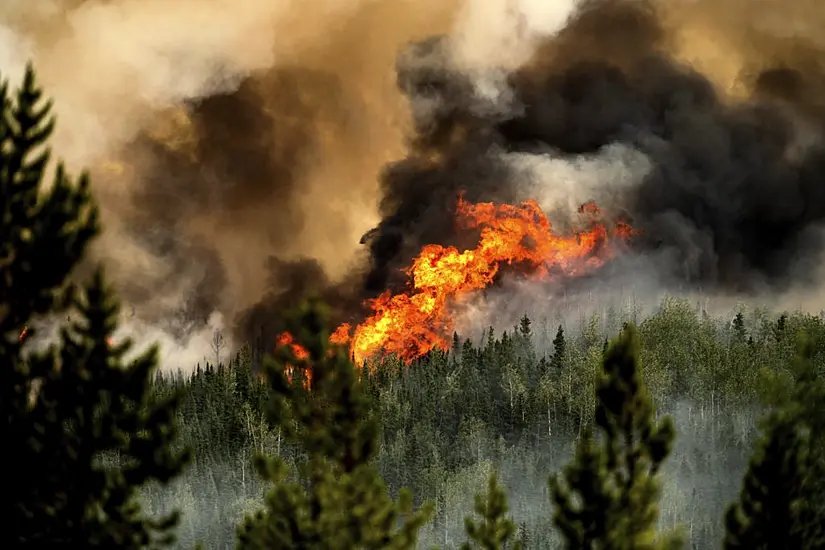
(414, 322)
(418, 320)
(300, 352)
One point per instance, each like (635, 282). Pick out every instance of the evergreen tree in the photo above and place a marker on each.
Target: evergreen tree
(525, 327)
(607, 497)
(780, 503)
(81, 433)
(495, 530)
(739, 327)
(340, 501)
(559, 349)
(779, 329)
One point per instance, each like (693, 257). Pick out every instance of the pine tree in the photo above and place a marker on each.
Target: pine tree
(739, 333)
(525, 327)
(81, 433)
(495, 530)
(780, 503)
(559, 349)
(339, 501)
(607, 497)
(779, 329)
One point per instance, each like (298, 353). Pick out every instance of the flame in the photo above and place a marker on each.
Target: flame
(414, 322)
(341, 334)
(300, 353)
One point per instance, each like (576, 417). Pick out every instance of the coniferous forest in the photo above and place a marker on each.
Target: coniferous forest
(678, 429)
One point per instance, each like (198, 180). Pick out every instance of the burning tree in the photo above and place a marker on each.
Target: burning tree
(81, 433)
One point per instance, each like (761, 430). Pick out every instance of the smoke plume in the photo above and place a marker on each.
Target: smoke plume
(247, 153)
(221, 135)
(715, 151)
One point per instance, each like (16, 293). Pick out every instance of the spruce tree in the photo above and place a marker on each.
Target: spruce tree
(559, 349)
(495, 530)
(339, 501)
(739, 333)
(525, 326)
(607, 498)
(779, 329)
(80, 432)
(780, 502)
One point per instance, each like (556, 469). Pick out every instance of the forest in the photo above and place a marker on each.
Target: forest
(517, 404)
(679, 429)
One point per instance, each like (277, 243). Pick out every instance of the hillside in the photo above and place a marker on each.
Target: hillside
(515, 403)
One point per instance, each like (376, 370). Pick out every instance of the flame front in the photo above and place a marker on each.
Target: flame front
(412, 323)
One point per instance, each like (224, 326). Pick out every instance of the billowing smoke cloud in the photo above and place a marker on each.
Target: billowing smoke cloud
(241, 149)
(220, 135)
(721, 170)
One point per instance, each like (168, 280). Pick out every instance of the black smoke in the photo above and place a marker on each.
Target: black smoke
(245, 149)
(735, 197)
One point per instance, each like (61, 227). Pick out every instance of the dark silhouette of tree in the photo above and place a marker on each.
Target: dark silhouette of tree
(779, 329)
(81, 432)
(559, 349)
(607, 498)
(739, 333)
(525, 326)
(779, 506)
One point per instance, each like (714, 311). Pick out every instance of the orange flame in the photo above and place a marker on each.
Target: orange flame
(300, 353)
(341, 334)
(415, 322)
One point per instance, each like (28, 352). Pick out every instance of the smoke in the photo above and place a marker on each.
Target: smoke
(705, 130)
(221, 135)
(241, 149)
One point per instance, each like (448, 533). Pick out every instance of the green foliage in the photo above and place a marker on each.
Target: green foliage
(81, 431)
(447, 419)
(340, 501)
(495, 530)
(780, 503)
(608, 497)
